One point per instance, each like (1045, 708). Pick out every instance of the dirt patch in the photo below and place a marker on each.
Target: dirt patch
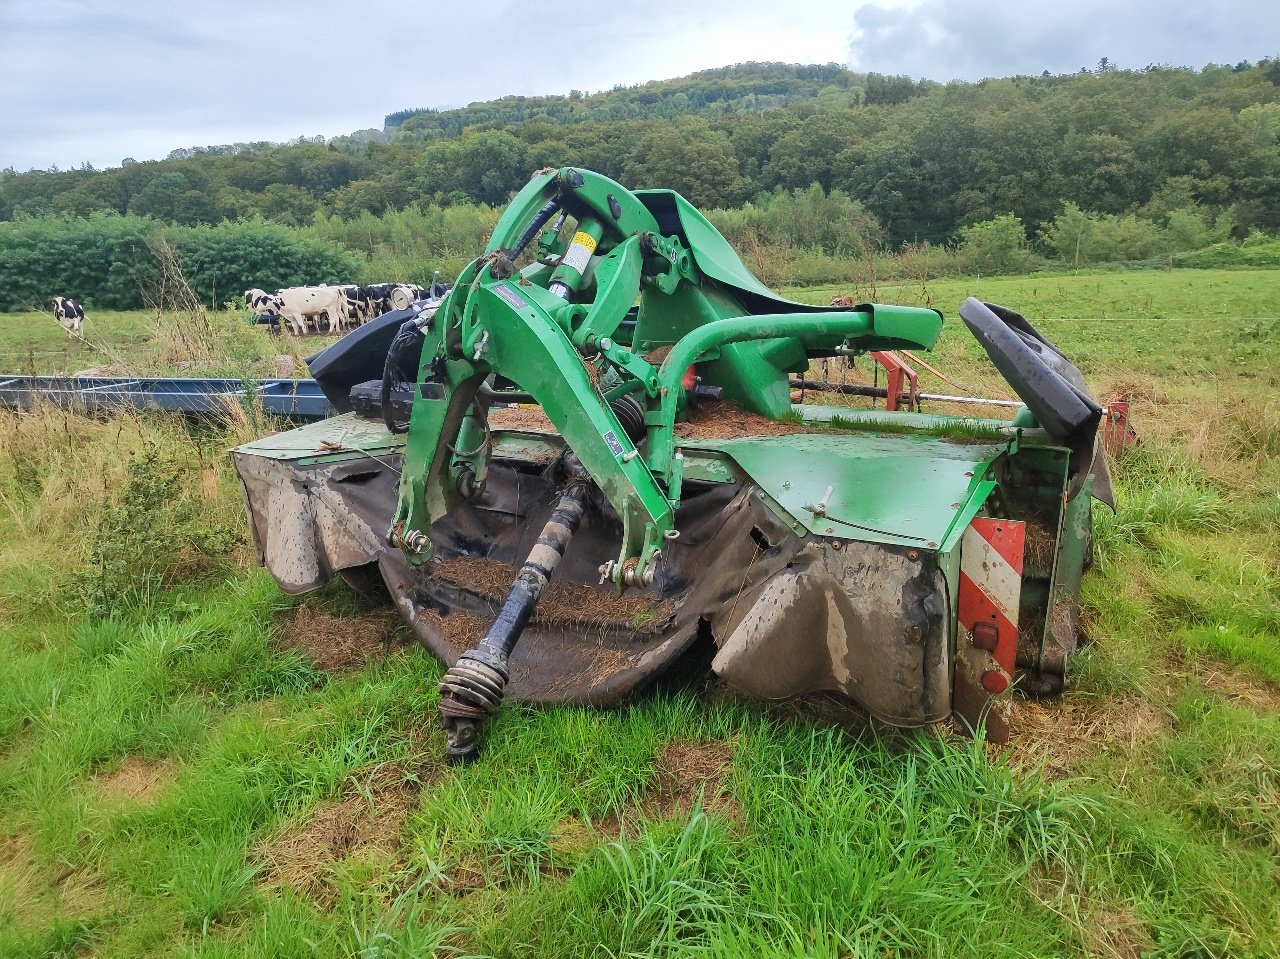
(1115, 933)
(1063, 735)
(725, 421)
(30, 889)
(367, 820)
(1242, 690)
(686, 775)
(562, 602)
(137, 780)
(111, 369)
(1106, 930)
(573, 837)
(339, 644)
(529, 419)
(693, 773)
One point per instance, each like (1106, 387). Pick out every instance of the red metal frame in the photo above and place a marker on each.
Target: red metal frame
(898, 372)
(1117, 434)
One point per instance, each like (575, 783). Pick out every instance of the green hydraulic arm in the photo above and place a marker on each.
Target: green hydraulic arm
(555, 328)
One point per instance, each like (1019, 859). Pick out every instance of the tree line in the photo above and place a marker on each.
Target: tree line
(925, 159)
(806, 169)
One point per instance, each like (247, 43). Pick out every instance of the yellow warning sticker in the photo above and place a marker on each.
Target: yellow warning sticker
(579, 253)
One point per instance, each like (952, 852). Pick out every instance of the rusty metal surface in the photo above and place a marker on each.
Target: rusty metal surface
(866, 620)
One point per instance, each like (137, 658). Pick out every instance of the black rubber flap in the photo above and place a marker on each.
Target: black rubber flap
(1043, 378)
(358, 358)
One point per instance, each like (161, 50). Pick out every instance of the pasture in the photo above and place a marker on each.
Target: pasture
(193, 764)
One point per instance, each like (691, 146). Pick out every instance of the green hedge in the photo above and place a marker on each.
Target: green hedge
(1255, 252)
(105, 261)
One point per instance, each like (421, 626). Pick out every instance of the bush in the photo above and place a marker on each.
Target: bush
(811, 220)
(105, 260)
(1254, 252)
(154, 534)
(102, 261)
(996, 246)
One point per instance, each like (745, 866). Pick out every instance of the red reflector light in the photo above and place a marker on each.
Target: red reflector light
(994, 681)
(984, 636)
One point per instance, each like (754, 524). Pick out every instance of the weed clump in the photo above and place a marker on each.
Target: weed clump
(153, 534)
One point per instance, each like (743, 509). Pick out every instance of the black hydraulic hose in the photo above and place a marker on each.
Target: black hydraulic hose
(393, 376)
(539, 221)
(847, 389)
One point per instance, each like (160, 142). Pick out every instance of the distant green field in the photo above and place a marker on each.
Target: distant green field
(137, 342)
(193, 764)
(1205, 315)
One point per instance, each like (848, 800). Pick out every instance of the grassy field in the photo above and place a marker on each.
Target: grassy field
(192, 764)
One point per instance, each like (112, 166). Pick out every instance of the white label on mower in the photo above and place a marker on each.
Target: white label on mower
(579, 253)
(511, 296)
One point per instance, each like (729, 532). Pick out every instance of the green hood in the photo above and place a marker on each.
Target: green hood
(676, 216)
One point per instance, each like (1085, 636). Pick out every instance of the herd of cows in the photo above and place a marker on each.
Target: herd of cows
(305, 309)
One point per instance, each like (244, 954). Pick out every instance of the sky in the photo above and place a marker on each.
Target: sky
(101, 80)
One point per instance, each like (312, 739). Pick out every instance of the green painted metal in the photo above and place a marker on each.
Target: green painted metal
(553, 328)
(896, 421)
(898, 490)
(340, 437)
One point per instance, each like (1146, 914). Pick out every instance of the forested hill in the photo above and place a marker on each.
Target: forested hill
(922, 159)
(749, 87)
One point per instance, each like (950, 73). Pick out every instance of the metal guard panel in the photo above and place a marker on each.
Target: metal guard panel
(327, 439)
(895, 490)
(350, 436)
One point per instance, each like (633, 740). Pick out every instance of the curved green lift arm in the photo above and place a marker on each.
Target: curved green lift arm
(539, 329)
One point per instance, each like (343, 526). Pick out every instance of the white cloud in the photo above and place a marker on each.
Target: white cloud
(973, 39)
(100, 80)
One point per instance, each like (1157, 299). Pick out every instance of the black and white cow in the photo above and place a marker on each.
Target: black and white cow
(68, 314)
(304, 304)
(358, 304)
(378, 298)
(266, 306)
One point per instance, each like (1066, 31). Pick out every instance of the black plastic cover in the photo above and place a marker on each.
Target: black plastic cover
(359, 357)
(1044, 379)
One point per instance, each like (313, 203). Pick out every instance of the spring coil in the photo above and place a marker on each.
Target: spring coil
(471, 689)
(630, 416)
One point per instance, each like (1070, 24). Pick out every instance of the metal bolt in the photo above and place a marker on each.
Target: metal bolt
(913, 554)
(415, 541)
(606, 344)
(837, 545)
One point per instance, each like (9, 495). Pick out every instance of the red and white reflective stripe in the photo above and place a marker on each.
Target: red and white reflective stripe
(991, 583)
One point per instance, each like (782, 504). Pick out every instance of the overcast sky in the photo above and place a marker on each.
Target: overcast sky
(100, 80)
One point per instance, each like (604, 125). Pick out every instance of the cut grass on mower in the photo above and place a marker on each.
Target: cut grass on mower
(186, 771)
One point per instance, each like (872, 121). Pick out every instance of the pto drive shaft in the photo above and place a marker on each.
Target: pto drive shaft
(471, 690)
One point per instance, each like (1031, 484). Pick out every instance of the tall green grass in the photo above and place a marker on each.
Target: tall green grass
(564, 839)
